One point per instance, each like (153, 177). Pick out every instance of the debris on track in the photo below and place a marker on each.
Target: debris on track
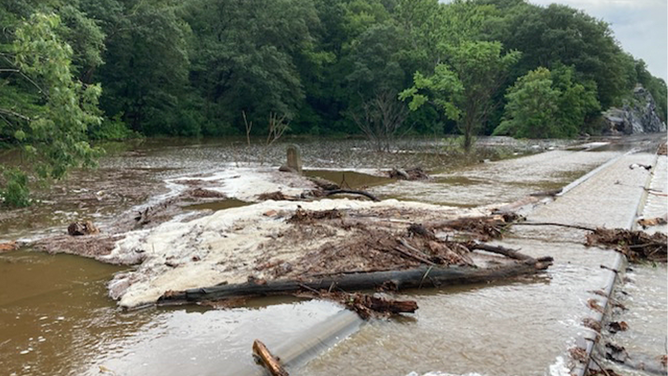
(635, 245)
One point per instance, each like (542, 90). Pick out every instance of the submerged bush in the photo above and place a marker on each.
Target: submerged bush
(15, 192)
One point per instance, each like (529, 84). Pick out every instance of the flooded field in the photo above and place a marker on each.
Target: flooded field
(56, 318)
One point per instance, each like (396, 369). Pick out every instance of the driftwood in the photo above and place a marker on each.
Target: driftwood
(324, 184)
(82, 228)
(553, 224)
(366, 306)
(484, 228)
(269, 361)
(8, 246)
(510, 253)
(401, 279)
(411, 174)
(636, 245)
(411, 252)
(352, 192)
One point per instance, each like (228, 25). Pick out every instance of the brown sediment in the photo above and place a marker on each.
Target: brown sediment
(93, 246)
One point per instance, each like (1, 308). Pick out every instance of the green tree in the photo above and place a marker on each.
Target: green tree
(245, 58)
(463, 88)
(146, 68)
(377, 74)
(532, 107)
(52, 121)
(544, 104)
(560, 35)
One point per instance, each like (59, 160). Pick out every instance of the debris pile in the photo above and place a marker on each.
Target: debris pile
(367, 306)
(82, 228)
(205, 193)
(635, 245)
(367, 245)
(416, 173)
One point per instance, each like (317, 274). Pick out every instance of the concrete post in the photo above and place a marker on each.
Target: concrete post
(295, 158)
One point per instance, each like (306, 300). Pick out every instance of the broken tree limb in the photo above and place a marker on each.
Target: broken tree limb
(401, 279)
(269, 361)
(352, 192)
(552, 224)
(411, 254)
(510, 253)
(540, 263)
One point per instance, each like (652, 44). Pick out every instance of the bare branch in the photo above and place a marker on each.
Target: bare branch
(380, 119)
(248, 126)
(14, 114)
(277, 126)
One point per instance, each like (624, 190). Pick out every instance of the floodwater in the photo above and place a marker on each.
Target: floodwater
(487, 329)
(55, 317)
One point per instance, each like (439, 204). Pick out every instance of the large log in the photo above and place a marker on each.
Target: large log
(400, 279)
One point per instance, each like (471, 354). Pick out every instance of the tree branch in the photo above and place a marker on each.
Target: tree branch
(14, 114)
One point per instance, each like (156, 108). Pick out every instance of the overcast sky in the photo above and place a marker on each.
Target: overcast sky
(639, 25)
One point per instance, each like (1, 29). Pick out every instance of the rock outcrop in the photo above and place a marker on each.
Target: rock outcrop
(638, 115)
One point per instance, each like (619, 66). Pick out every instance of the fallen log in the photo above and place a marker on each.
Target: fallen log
(366, 306)
(400, 279)
(269, 361)
(510, 253)
(352, 192)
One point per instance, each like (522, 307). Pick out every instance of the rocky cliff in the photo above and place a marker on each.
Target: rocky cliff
(638, 115)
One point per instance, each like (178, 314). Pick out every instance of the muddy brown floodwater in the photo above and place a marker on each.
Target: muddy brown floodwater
(56, 318)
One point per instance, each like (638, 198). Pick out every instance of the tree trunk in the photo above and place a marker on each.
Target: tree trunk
(401, 279)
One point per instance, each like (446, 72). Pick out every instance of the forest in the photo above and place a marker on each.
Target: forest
(76, 71)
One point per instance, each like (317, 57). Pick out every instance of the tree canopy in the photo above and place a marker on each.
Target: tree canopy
(196, 68)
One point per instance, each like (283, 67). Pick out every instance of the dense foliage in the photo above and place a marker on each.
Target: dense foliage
(200, 67)
(76, 70)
